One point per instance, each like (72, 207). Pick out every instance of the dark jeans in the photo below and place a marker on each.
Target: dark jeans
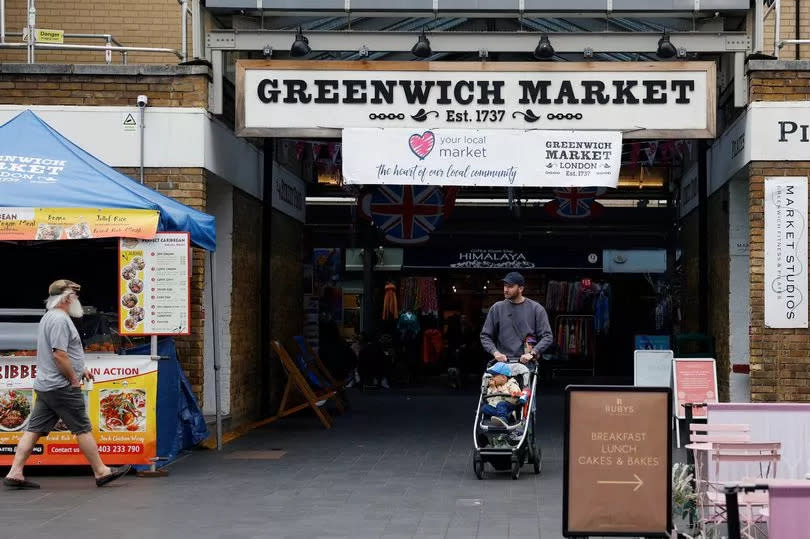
(502, 409)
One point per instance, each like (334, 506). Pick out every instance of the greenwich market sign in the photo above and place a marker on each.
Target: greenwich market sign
(642, 100)
(493, 158)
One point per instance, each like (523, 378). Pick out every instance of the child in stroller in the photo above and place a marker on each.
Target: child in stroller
(503, 433)
(498, 407)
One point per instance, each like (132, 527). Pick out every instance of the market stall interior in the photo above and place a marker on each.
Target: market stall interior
(603, 262)
(114, 226)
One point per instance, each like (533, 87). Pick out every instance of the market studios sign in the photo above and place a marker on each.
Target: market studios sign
(493, 158)
(642, 100)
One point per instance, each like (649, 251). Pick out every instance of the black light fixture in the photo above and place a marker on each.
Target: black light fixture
(422, 47)
(300, 46)
(665, 47)
(544, 50)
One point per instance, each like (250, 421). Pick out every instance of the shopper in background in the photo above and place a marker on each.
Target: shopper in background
(374, 363)
(60, 371)
(514, 322)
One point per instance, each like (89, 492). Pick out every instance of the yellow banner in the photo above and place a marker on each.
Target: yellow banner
(76, 223)
(121, 406)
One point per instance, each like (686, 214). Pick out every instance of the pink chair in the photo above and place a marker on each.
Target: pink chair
(789, 509)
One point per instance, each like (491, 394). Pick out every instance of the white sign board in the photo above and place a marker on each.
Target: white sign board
(655, 99)
(652, 368)
(493, 158)
(155, 291)
(780, 131)
(786, 252)
(289, 194)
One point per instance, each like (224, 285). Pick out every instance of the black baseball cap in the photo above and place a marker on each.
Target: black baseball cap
(514, 277)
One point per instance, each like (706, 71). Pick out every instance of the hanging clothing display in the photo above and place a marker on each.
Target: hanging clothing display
(602, 310)
(432, 345)
(408, 325)
(572, 297)
(390, 307)
(419, 294)
(574, 335)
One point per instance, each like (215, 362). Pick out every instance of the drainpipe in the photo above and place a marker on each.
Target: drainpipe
(2, 21)
(797, 5)
(183, 29)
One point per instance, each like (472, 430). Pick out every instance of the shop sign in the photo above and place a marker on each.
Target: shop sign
(154, 285)
(617, 461)
(785, 203)
(75, 223)
(695, 382)
(121, 406)
(500, 259)
(492, 158)
(644, 100)
(289, 194)
(731, 152)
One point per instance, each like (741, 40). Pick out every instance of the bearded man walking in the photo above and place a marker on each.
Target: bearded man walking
(60, 371)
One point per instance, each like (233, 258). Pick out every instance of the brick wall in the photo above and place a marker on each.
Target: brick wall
(145, 23)
(780, 358)
(186, 185)
(718, 225)
(245, 316)
(286, 292)
(780, 86)
(103, 85)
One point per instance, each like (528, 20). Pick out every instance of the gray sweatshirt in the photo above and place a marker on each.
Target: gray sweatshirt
(508, 323)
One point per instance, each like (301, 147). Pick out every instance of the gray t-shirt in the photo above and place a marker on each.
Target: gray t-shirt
(508, 323)
(56, 331)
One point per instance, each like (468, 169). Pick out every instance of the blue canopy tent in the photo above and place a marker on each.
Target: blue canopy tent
(82, 181)
(40, 167)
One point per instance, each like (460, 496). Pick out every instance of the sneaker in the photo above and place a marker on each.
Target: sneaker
(498, 422)
(384, 383)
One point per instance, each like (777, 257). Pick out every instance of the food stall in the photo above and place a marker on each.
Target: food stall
(130, 248)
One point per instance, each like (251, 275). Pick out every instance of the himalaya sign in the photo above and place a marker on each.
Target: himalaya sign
(665, 100)
(492, 258)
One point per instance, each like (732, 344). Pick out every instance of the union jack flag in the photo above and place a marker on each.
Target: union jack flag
(406, 214)
(575, 202)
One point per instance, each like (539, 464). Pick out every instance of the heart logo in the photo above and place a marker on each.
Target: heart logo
(422, 145)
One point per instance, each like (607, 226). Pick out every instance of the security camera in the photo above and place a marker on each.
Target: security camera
(143, 100)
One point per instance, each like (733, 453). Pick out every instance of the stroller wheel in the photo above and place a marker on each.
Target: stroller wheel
(478, 467)
(515, 468)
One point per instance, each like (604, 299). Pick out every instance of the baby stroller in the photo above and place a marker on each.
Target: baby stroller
(510, 446)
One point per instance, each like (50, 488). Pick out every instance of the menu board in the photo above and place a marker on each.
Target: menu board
(695, 381)
(652, 368)
(121, 406)
(154, 289)
(617, 461)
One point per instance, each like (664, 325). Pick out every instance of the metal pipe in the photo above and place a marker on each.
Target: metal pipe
(183, 30)
(797, 13)
(2, 21)
(777, 26)
(143, 114)
(217, 366)
(196, 30)
(66, 46)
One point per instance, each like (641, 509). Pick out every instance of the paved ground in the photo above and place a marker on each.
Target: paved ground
(397, 466)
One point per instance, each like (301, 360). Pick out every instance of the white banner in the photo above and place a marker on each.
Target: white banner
(493, 158)
(786, 252)
(658, 99)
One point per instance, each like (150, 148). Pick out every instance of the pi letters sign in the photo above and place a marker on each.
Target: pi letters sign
(320, 98)
(786, 252)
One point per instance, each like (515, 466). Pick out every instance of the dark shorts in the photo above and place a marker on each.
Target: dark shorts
(66, 403)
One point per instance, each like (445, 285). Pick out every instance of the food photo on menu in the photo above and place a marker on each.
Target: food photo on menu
(122, 410)
(15, 407)
(136, 286)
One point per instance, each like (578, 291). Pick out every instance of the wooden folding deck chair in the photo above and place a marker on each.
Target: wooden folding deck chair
(314, 363)
(296, 381)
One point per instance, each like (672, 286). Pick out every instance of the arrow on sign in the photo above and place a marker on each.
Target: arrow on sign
(638, 482)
